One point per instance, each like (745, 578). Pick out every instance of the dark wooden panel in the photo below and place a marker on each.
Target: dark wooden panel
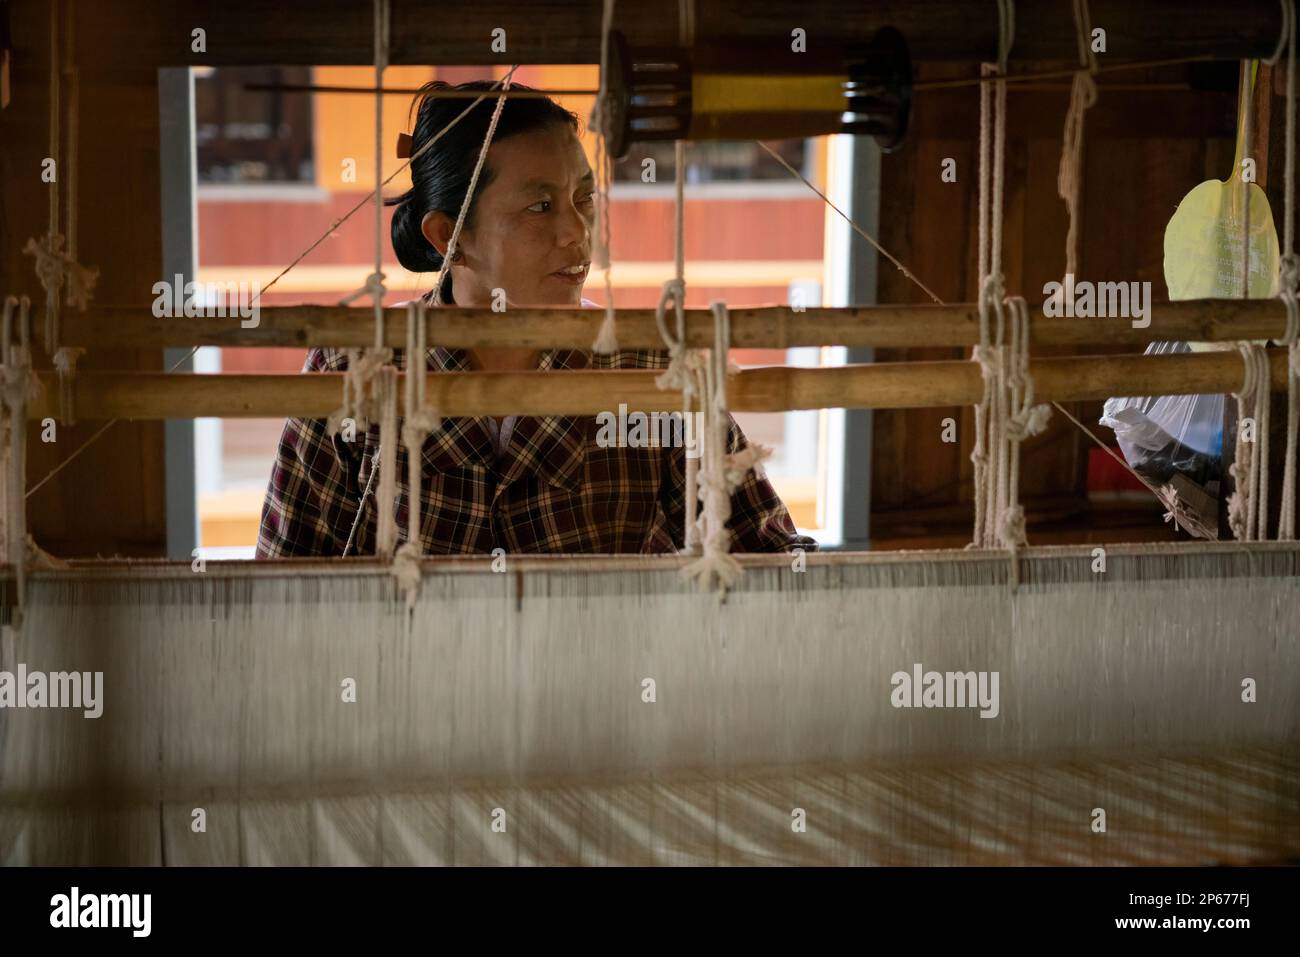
(150, 33)
(110, 500)
(1133, 182)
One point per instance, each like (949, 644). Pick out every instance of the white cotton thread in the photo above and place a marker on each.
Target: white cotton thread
(1248, 504)
(1083, 95)
(420, 420)
(1288, 275)
(385, 390)
(720, 473)
(360, 396)
(55, 254)
(18, 386)
(1006, 413)
(684, 370)
(606, 342)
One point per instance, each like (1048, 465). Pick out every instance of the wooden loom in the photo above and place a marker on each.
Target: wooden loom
(524, 691)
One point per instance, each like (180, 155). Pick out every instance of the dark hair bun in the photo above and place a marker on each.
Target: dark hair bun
(414, 251)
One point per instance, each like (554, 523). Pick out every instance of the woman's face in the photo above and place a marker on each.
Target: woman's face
(532, 224)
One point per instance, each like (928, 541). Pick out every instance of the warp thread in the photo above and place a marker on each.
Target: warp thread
(606, 342)
(1287, 280)
(1083, 94)
(1248, 504)
(407, 571)
(55, 254)
(420, 420)
(1006, 413)
(18, 386)
(720, 473)
(361, 400)
(685, 366)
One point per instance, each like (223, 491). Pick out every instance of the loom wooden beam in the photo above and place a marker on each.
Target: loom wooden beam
(768, 327)
(895, 385)
(145, 33)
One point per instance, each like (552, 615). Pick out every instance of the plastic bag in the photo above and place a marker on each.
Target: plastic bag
(1173, 441)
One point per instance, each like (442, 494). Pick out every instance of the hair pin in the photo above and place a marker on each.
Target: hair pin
(403, 145)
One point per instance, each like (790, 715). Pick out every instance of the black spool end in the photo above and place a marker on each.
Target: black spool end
(879, 90)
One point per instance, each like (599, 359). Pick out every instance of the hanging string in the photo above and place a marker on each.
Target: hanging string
(55, 254)
(721, 473)
(1083, 94)
(18, 386)
(684, 364)
(1287, 279)
(360, 396)
(420, 420)
(469, 194)
(606, 342)
(386, 383)
(1006, 413)
(284, 272)
(1248, 504)
(388, 479)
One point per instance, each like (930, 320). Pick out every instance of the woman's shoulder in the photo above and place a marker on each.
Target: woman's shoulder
(632, 359)
(325, 359)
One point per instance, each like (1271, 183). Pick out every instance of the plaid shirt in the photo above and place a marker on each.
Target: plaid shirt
(554, 489)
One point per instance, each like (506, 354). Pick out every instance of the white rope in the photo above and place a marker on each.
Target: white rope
(469, 194)
(1288, 276)
(330, 231)
(1248, 504)
(684, 370)
(360, 400)
(56, 255)
(1083, 94)
(1006, 413)
(420, 420)
(606, 342)
(721, 473)
(18, 386)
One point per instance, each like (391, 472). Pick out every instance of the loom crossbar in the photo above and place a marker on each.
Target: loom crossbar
(894, 385)
(764, 327)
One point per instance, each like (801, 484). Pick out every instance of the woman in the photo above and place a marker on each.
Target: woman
(524, 484)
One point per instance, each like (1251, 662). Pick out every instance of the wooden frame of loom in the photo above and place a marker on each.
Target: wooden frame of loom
(338, 32)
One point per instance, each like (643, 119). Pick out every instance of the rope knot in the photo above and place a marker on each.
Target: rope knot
(719, 565)
(373, 287)
(65, 359)
(1011, 526)
(1288, 273)
(739, 464)
(54, 267)
(994, 288)
(989, 359)
(1028, 421)
(406, 569)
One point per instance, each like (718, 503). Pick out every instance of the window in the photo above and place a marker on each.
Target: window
(247, 135)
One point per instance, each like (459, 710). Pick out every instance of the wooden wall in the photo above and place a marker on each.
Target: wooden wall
(1149, 139)
(110, 500)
